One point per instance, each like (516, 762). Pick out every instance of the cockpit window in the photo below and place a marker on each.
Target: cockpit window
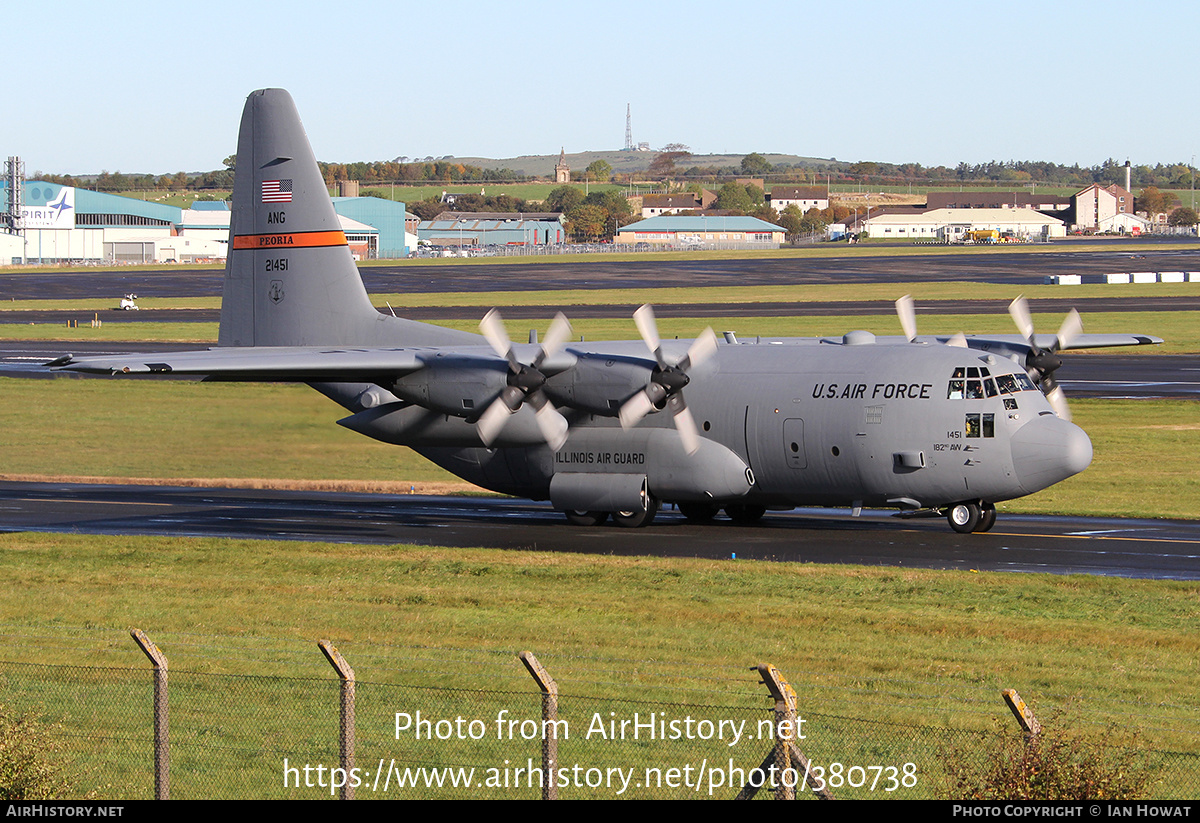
(1007, 384)
(980, 425)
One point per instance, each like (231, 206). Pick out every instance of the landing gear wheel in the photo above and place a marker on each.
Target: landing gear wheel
(964, 517)
(576, 518)
(698, 512)
(987, 518)
(745, 512)
(635, 520)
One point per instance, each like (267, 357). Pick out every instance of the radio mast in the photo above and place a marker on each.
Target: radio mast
(14, 173)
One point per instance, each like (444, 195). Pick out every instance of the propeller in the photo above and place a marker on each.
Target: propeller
(1041, 363)
(906, 310)
(667, 380)
(524, 382)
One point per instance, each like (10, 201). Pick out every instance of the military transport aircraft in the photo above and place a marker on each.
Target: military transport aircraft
(943, 425)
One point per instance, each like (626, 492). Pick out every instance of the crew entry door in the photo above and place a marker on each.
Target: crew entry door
(793, 443)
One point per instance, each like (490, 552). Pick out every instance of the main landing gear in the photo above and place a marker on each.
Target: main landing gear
(629, 520)
(972, 516)
(695, 512)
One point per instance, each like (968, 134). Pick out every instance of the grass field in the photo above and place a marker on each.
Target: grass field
(706, 616)
(521, 191)
(890, 664)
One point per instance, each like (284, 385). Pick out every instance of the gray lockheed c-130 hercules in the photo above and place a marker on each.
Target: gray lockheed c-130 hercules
(922, 423)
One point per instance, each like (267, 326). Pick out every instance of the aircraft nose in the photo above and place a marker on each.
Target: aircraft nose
(1047, 450)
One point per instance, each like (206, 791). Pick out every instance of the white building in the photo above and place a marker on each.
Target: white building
(1107, 209)
(802, 197)
(952, 225)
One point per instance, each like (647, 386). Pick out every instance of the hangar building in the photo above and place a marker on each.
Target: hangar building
(704, 230)
(68, 224)
(465, 228)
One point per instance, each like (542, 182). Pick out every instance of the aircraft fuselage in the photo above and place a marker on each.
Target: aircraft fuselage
(782, 423)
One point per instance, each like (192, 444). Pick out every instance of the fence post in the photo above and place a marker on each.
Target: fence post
(549, 723)
(785, 752)
(162, 749)
(1024, 714)
(785, 726)
(346, 730)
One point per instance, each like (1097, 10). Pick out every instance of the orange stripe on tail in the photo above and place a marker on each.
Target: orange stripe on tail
(293, 240)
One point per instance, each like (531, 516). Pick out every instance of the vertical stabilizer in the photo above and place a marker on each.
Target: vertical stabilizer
(290, 279)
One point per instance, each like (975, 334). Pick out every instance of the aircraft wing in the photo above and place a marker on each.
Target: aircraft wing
(1007, 343)
(1104, 341)
(265, 363)
(1015, 342)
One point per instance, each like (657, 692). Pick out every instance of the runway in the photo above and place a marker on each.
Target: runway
(1156, 549)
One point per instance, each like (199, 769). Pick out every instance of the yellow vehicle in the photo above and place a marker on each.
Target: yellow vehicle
(983, 236)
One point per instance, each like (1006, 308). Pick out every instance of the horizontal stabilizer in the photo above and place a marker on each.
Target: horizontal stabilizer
(258, 363)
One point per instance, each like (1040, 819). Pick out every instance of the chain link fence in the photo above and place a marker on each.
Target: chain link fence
(260, 736)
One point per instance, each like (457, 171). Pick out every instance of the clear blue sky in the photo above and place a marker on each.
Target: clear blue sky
(158, 87)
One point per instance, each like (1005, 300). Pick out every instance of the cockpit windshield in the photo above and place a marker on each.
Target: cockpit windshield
(976, 382)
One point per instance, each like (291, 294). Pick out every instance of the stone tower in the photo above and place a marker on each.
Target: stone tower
(562, 172)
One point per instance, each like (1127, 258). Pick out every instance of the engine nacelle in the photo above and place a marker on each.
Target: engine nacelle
(599, 383)
(407, 425)
(458, 385)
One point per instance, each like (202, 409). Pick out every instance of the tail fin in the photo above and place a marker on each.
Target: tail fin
(290, 279)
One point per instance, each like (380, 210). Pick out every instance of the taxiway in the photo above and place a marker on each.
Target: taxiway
(1157, 549)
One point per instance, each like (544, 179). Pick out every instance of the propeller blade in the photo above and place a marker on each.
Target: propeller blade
(906, 310)
(704, 347)
(647, 326)
(635, 408)
(1058, 401)
(493, 329)
(1019, 311)
(552, 424)
(559, 333)
(492, 421)
(1072, 327)
(684, 423)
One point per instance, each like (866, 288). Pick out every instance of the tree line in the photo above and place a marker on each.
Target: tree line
(671, 164)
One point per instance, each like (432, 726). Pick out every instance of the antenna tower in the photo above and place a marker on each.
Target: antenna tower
(14, 173)
(628, 129)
